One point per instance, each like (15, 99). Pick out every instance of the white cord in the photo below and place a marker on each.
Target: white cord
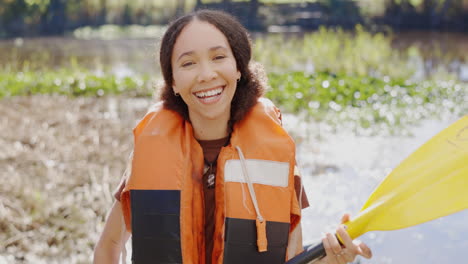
(249, 184)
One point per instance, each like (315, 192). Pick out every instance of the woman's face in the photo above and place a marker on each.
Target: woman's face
(204, 71)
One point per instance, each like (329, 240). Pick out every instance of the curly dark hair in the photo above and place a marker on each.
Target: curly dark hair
(250, 87)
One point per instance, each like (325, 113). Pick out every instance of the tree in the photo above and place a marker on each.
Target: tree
(53, 21)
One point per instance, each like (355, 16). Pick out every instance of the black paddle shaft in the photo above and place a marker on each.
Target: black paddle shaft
(311, 253)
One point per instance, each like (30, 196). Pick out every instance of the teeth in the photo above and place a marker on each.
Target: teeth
(209, 93)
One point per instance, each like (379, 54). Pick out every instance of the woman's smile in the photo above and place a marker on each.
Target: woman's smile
(210, 96)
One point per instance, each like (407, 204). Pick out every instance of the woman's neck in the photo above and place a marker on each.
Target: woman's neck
(210, 129)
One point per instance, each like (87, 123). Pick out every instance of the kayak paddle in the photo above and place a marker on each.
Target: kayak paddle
(432, 182)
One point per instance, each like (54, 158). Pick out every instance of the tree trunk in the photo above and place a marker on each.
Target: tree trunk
(445, 7)
(54, 20)
(429, 6)
(252, 20)
(103, 12)
(226, 5)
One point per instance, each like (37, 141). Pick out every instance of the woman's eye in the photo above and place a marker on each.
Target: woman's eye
(219, 57)
(187, 64)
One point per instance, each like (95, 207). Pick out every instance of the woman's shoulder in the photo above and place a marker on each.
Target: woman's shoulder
(266, 106)
(157, 114)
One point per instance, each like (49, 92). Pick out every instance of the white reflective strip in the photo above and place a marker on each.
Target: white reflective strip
(265, 172)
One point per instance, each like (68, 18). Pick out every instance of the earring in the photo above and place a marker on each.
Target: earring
(176, 94)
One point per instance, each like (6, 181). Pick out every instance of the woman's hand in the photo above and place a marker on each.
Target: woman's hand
(338, 254)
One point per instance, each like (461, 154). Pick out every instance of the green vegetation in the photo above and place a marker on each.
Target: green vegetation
(73, 82)
(361, 100)
(365, 100)
(329, 75)
(335, 51)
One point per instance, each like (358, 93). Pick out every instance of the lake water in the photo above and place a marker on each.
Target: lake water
(341, 170)
(121, 56)
(135, 56)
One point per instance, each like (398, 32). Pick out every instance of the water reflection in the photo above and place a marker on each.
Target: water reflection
(438, 49)
(438, 241)
(117, 56)
(434, 50)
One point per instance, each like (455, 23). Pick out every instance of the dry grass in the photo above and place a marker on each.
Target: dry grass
(60, 160)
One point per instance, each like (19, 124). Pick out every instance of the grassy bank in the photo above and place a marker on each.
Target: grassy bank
(71, 82)
(61, 158)
(364, 100)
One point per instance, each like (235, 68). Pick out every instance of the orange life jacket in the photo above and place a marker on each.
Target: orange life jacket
(256, 206)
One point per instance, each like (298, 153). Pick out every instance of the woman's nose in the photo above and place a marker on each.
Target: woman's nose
(207, 72)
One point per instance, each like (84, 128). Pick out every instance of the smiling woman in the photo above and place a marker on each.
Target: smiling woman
(226, 40)
(205, 76)
(212, 178)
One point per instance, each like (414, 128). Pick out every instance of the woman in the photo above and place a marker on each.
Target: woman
(212, 177)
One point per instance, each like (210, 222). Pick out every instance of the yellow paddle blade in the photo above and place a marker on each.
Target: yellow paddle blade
(430, 183)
